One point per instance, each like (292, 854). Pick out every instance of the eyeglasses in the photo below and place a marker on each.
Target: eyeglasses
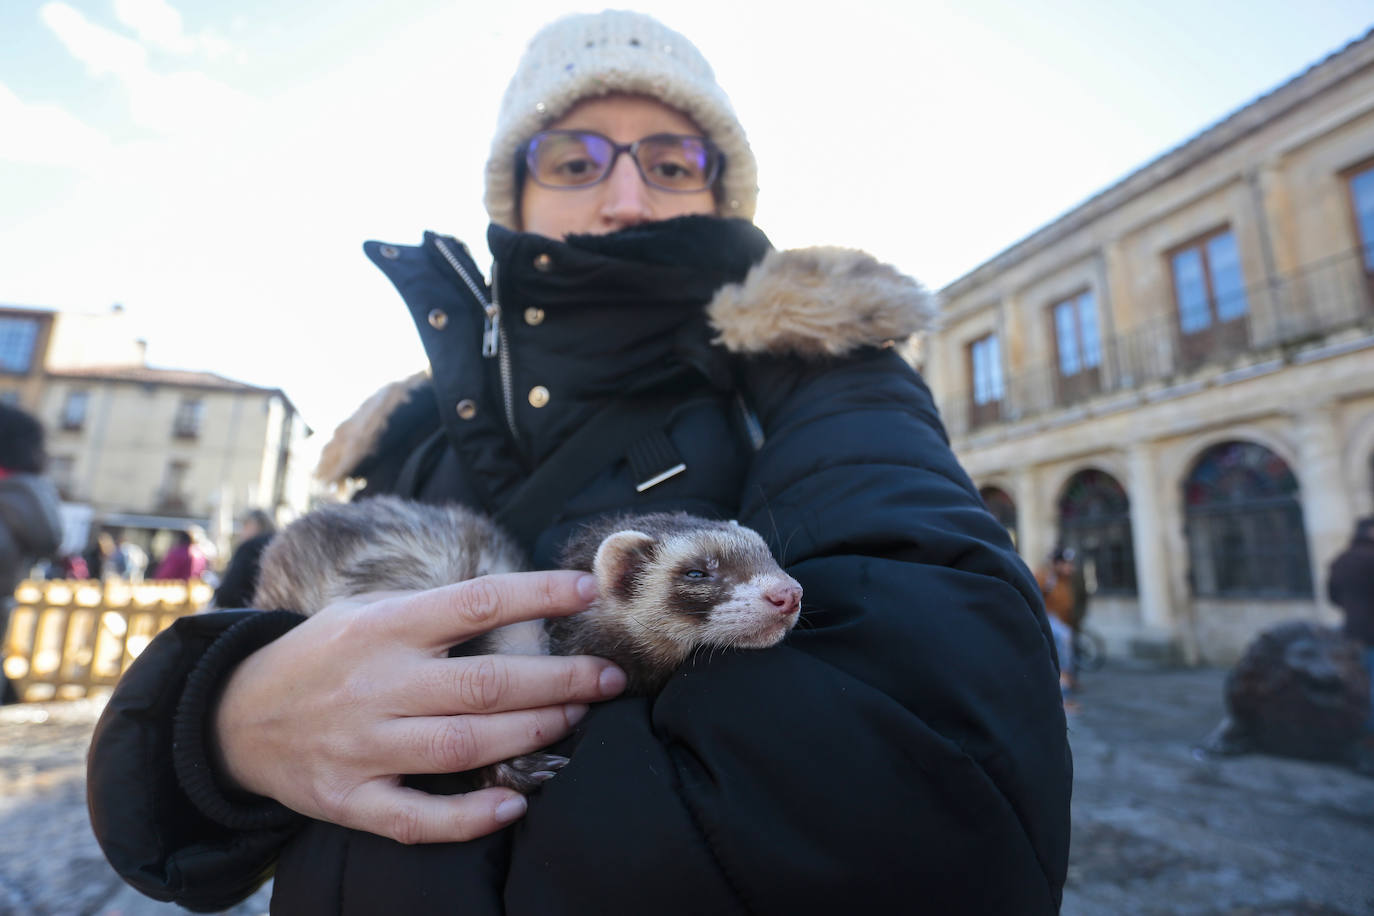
(570, 159)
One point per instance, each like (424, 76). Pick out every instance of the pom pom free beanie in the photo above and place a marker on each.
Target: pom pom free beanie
(591, 55)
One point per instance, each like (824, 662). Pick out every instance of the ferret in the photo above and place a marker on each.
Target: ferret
(669, 584)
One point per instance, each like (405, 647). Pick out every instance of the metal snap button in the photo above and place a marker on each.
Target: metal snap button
(390, 252)
(539, 396)
(534, 316)
(543, 263)
(467, 409)
(438, 319)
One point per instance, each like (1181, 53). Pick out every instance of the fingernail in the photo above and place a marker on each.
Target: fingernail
(612, 681)
(586, 587)
(511, 808)
(574, 712)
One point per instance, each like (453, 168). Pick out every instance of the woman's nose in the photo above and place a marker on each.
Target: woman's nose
(626, 197)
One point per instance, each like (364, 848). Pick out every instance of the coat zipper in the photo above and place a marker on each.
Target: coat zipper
(493, 332)
(497, 332)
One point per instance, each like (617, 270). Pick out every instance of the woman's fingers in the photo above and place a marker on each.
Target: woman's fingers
(324, 718)
(411, 816)
(451, 744)
(502, 683)
(442, 617)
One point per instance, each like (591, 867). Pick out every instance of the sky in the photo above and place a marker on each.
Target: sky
(215, 167)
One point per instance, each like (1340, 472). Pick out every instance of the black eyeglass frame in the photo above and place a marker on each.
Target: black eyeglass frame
(525, 160)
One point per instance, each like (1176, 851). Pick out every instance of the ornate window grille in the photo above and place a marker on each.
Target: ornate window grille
(1246, 537)
(1095, 520)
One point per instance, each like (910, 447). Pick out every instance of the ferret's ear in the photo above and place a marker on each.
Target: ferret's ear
(618, 559)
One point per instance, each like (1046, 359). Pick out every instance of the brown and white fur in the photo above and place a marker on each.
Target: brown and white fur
(669, 584)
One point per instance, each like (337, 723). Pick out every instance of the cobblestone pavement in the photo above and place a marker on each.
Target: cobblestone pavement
(50, 864)
(1156, 830)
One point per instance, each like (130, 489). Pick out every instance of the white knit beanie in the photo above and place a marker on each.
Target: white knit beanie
(589, 55)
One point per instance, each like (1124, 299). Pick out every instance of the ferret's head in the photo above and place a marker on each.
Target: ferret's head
(673, 589)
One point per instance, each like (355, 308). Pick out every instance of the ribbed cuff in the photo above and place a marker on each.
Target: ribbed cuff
(192, 734)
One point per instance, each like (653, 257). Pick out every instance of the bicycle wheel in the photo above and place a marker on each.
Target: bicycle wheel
(1090, 651)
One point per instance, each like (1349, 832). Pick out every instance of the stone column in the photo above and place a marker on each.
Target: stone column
(1147, 533)
(1034, 518)
(1327, 510)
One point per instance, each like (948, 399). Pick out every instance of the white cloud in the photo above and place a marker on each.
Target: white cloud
(170, 103)
(158, 24)
(103, 52)
(47, 135)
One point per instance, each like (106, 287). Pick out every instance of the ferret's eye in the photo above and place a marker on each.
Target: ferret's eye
(695, 574)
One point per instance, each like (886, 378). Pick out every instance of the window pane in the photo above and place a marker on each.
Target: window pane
(980, 374)
(987, 370)
(17, 336)
(1362, 190)
(1228, 283)
(1191, 290)
(74, 410)
(994, 369)
(1088, 337)
(1067, 336)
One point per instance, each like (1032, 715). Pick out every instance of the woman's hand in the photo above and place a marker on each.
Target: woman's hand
(327, 718)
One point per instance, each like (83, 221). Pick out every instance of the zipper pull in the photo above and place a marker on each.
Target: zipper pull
(491, 331)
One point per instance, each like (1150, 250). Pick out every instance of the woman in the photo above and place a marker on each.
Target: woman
(183, 560)
(641, 348)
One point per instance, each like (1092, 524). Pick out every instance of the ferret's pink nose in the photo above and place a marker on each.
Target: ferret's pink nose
(786, 598)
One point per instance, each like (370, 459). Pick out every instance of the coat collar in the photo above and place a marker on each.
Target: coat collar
(813, 303)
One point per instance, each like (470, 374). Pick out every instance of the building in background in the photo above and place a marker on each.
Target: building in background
(143, 449)
(1177, 376)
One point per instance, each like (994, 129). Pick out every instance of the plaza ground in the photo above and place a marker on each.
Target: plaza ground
(1156, 829)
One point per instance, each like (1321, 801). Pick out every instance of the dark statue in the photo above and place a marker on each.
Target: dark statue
(1300, 690)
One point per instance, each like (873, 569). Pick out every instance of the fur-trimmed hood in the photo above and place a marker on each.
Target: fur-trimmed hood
(817, 303)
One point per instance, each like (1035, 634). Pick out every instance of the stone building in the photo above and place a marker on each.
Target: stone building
(1177, 376)
(146, 449)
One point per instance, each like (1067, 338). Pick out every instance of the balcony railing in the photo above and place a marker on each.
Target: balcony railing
(1286, 316)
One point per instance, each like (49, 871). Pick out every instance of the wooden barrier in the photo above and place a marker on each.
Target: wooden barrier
(69, 639)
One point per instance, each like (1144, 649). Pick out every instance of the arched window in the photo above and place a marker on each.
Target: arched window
(1002, 507)
(1244, 522)
(1095, 520)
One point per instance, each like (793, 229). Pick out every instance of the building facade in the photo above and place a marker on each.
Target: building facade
(1176, 378)
(145, 449)
(25, 337)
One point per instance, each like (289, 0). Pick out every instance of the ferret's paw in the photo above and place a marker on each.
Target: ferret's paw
(523, 774)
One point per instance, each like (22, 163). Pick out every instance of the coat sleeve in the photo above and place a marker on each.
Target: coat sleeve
(905, 747)
(156, 810)
(30, 526)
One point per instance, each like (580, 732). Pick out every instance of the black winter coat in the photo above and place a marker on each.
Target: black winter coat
(30, 528)
(903, 749)
(1350, 585)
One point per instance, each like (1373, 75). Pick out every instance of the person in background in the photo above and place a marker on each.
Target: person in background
(30, 527)
(73, 566)
(132, 558)
(103, 559)
(1060, 585)
(241, 575)
(1350, 586)
(184, 559)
